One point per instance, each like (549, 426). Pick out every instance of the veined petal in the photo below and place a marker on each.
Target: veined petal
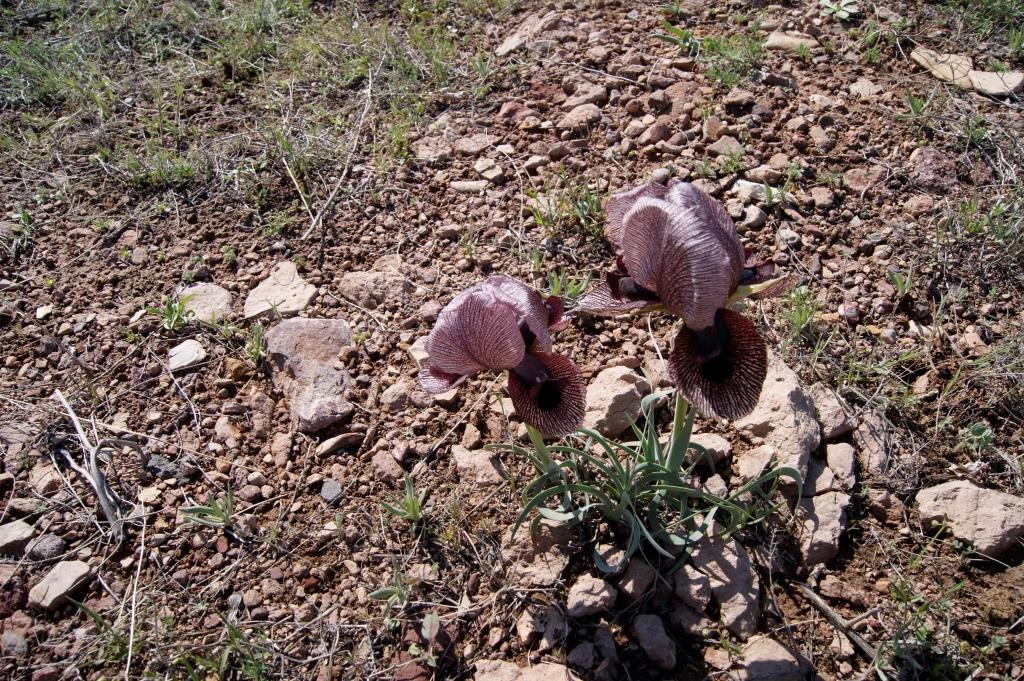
(728, 384)
(621, 202)
(435, 381)
(476, 331)
(528, 304)
(602, 301)
(555, 406)
(713, 217)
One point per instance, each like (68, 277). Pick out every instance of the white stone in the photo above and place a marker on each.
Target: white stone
(207, 302)
(613, 400)
(186, 354)
(284, 292)
(989, 520)
(58, 583)
(14, 536)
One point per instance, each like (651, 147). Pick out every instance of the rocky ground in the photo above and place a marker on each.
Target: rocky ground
(227, 229)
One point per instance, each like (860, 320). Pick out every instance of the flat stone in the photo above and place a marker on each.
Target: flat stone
(477, 467)
(590, 595)
(385, 282)
(996, 83)
(784, 417)
(649, 633)
(536, 559)
(283, 293)
(638, 579)
(951, 68)
(717, 447)
(385, 466)
(863, 179)
(475, 144)
(933, 170)
(832, 411)
(865, 88)
(46, 547)
(842, 461)
(765, 659)
(331, 491)
(14, 536)
(580, 119)
(207, 302)
(303, 355)
(734, 582)
(613, 400)
(824, 520)
(872, 441)
(693, 587)
(531, 26)
(468, 186)
(727, 145)
(186, 354)
(432, 150)
(789, 41)
(338, 442)
(500, 670)
(991, 521)
(60, 582)
(689, 621)
(586, 93)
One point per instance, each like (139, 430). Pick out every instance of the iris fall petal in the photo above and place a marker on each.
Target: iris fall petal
(555, 406)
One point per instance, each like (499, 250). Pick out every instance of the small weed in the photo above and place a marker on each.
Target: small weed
(978, 437)
(872, 55)
(360, 337)
(572, 207)
(903, 283)
(173, 315)
(16, 240)
(396, 594)
(733, 59)
(832, 180)
(1015, 43)
(229, 256)
(568, 289)
(255, 347)
(843, 10)
(682, 38)
(733, 163)
(409, 506)
(216, 514)
(803, 52)
(800, 315)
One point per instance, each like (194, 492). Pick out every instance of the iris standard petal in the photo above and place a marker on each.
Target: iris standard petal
(725, 381)
(555, 405)
(621, 202)
(475, 332)
(714, 219)
(610, 298)
(528, 304)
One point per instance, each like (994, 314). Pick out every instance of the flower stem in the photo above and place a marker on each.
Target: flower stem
(682, 428)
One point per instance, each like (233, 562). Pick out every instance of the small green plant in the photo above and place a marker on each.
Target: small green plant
(915, 105)
(1015, 43)
(409, 506)
(173, 313)
(360, 337)
(801, 312)
(641, 486)
(872, 55)
(396, 594)
(733, 59)
(574, 206)
(115, 644)
(920, 646)
(16, 242)
(229, 255)
(975, 133)
(255, 347)
(733, 163)
(216, 513)
(843, 10)
(902, 282)
(803, 52)
(568, 288)
(978, 436)
(682, 38)
(429, 629)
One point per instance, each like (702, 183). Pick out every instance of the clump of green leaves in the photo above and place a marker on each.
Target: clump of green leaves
(641, 486)
(16, 241)
(172, 313)
(800, 314)
(566, 287)
(255, 347)
(216, 513)
(732, 59)
(409, 506)
(682, 38)
(843, 10)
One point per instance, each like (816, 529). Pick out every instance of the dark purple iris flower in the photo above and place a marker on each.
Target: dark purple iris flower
(679, 251)
(499, 324)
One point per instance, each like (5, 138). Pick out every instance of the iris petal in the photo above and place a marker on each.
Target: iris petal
(435, 381)
(556, 406)
(729, 384)
(476, 331)
(604, 300)
(621, 202)
(528, 304)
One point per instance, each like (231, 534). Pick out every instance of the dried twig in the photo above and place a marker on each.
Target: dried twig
(91, 472)
(836, 620)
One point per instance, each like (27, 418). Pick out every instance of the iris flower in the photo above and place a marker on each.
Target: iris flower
(502, 324)
(679, 251)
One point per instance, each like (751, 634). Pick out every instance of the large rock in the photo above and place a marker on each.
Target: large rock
(832, 411)
(734, 583)
(207, 302)
(304, 356)
(384, 283)
(59, 583)
(590, 595)
(863, 179)
(613, 400)
(997, 83)
(784, 417)
(283, 293)
(989, 520)
(693, 587)
(824, 519)
(479, 468)
(872, 442)
(531, 26)
(536, 559)
(765, 659)
(433, 150)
